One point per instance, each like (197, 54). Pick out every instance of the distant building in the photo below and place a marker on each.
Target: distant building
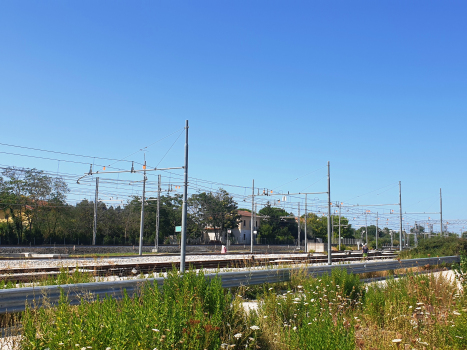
(241, 234)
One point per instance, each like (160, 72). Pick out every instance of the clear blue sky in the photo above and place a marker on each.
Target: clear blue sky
(272, 91)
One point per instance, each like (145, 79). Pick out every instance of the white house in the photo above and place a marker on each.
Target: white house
(240, 234)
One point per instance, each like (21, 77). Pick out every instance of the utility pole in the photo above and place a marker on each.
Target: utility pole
(158, 210)
(366, 227)
(184, 206)
(141, 224)
(332, 227)
(340, 206)
(306, 214)
(417, 231)
(254, 218)
(376, 230)
(329, 215)
(94, 231)
(400, 217)
(441, 211)
(252, 211)
(298, 237)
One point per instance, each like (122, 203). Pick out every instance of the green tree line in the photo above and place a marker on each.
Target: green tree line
(34, 210)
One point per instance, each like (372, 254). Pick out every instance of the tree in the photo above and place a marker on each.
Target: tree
(346, 229)
(317, 226)
(83, 221)
(216, 211)
(28, 196)
(274, 225)
(170, 215)
(417, 229)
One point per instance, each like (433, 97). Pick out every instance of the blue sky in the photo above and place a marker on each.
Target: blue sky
(272, 90)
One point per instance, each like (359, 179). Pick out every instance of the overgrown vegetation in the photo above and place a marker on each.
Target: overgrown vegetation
(63, 277)
(329, 312)
(437, 246)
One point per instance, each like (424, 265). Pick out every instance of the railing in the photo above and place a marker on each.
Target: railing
(16, 299)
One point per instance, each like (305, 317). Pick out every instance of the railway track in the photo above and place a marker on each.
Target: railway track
(27, 275)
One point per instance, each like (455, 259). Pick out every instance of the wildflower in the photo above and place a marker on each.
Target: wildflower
(295, 328)
(109, 348)
(223, 345)
(305, 304)
(299, 287)
(238, 335)
(271, 288)
(251, 339)
(154, 329)
(397, 341)
(83, 348)
(60, 343)
(297, 299)
(456, 313)
(255, 328)
(265, 317)
(459, 337)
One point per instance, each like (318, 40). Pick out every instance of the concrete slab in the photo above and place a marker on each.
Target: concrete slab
(27, 255)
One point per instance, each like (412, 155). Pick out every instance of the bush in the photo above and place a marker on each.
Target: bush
(437, 246)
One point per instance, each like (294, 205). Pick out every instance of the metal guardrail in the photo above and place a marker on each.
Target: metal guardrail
(16, 299)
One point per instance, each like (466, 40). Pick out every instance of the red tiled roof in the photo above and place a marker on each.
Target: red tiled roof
(243, 213)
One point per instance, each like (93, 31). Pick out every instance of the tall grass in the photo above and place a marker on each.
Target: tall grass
(312, 315)
(333, 311)
(418, 309)
(188, 313)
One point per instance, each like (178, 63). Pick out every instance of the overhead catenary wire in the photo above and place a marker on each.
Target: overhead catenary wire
(196, 184)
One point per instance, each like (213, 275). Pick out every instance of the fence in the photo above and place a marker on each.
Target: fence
(347, 241)
(16, 299)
